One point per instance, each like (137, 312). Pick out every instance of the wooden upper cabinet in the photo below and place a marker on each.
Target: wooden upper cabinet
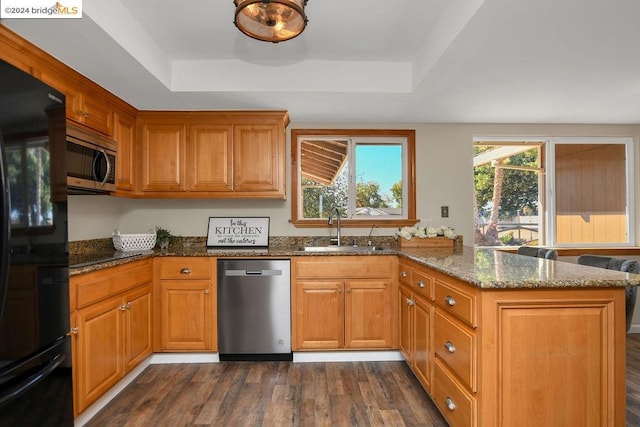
(163, 157)
(257, 155)
(209, 158)
(228, 154)
(124, 135)
(89, 107)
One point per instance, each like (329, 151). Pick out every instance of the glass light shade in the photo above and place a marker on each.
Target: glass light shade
(271, 20)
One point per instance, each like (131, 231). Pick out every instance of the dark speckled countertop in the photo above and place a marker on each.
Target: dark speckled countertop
(484, 268)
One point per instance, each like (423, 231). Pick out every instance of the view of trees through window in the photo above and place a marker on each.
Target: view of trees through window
(28, 170)
(507, 201)
(375, 168)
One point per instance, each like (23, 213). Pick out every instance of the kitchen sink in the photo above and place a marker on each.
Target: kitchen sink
(345, 248)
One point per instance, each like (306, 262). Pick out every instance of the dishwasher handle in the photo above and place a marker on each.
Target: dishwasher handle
(253, 273)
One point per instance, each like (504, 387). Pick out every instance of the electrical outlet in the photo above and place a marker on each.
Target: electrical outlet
(444, 211)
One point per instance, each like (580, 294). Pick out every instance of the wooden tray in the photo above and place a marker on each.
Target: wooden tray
(428, 242)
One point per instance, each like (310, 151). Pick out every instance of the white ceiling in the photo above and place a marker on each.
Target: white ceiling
(489, 61)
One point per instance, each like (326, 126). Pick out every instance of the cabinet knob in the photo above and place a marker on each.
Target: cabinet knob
(73, 331)
(123, 307)
(450, 300)
(449, 404)
(410, 301)
(450, 347)
(420, 284)
(403, 274)
(185, 270)
(206, 291)
(339, 290)
(128, 305)
(348, 290)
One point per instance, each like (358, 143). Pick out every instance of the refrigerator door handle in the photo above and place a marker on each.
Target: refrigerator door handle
(13, 392)
(5, 227)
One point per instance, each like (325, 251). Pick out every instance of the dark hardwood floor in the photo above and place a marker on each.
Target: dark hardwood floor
(273, 394)
(633, 379)
(287, 394)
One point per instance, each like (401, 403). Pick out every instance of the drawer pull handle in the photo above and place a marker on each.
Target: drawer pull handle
(420, 284)
(449, 403)
(410, 301)
(450, 300)
(73, 331)
(450, 347)
(185, 270)
(403, 274)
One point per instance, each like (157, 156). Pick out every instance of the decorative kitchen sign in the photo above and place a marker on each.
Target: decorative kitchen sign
(238, 232)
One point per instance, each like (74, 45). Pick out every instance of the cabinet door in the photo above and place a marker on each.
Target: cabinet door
(99, 343)
(94, 112)
(210, 158)
(320, 315)
(186, 315)
(163, 157)
(368, 314)
(422, 336)
(406, 322)
(258, 159)
(137, 338)
(124, 135)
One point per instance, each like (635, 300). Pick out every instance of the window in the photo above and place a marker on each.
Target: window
(592, 204)
(28, 171)
(582, 198)
(368, 175)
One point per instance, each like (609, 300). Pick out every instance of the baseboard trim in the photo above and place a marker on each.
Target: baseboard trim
(170, 358)
(347, 356)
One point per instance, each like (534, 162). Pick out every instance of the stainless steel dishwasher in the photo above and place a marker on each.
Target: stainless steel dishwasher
(254, 309)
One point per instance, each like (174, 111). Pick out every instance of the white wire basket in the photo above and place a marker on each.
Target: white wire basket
(134, 242)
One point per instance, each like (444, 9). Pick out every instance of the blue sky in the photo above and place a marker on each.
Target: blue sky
(381, 163)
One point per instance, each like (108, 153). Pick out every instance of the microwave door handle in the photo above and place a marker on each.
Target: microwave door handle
(106, 175)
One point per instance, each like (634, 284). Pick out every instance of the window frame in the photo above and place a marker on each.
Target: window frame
(296, 192)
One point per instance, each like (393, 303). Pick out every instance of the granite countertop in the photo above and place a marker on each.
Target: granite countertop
(494, 269)
(484, 268)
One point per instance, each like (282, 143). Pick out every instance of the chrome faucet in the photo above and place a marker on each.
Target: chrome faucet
(330, 222)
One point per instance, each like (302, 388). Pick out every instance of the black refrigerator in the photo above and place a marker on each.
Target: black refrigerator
(35, 351)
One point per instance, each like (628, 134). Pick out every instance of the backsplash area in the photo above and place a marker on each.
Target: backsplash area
(386, 242)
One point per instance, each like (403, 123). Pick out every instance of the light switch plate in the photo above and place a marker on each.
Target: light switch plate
(444, 211)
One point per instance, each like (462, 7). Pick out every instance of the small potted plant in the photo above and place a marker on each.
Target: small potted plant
(163, 237)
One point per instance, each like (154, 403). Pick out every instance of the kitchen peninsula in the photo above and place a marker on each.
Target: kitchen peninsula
(495, 338)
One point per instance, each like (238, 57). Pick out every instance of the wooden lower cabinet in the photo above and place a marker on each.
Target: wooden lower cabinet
(525, 357)
(111, 319)
(416, 321)
(113, 336)
(187, 304)
(343, 303)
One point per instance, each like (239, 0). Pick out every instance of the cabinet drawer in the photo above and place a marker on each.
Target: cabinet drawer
(93, 287)
(456, 301)
(344, 267)
(457, 348)
(185, 268)
(422, 284)
(457, 406)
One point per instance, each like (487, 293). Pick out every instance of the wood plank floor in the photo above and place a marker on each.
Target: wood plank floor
(273, 394)
(287, 394)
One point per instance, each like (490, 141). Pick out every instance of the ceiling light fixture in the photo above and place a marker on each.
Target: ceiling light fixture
(271, 20)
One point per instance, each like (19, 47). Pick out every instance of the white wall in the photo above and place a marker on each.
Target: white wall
(444, 176)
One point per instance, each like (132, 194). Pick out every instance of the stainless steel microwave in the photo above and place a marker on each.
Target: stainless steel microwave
(91, 162)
